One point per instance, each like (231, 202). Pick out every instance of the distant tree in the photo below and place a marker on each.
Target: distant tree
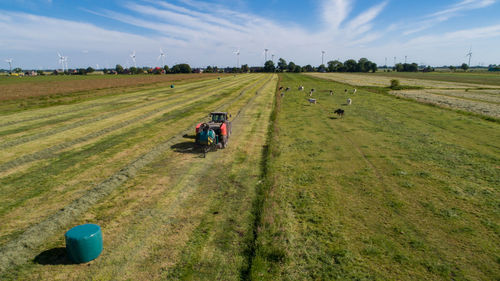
(181, 68)
(89, 69)
(464, 67)
(297, 69)
(282, 65)
(245, 68)
(321, 68)
(105, 70)
(133, 70)
(428, 69)
(363, 65)
(269, 66)
(119, 69)
(350, 65)
(373, 67)
(394, 84)
(412, 67)
(165, 69)
(452, 68)
(81, 71)
(291, 66)
(308, 68)
(40, 72)
(406, 67)
(335, 66)
(209, 69)
(17, 70)
(493, 67)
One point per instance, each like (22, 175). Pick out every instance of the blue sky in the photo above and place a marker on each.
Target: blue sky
(201, 33)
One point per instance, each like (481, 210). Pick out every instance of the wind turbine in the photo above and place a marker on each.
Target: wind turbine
(66, 63)
(62, 61)
(469, 54)
(265, 50)
(272, 57)
(162, 57)
(133, 58)
(9, 61)
(322, 57)
(237, 53)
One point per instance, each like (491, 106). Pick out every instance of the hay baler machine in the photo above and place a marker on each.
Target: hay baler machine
(215, 133)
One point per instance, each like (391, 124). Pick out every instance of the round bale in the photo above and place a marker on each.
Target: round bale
(84, 242)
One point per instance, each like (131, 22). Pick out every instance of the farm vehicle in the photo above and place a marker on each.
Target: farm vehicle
(215, 133)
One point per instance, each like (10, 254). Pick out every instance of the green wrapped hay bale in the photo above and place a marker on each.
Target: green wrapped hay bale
(84, 242)
(172, 86)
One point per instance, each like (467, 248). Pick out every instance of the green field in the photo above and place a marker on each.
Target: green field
(394, 190)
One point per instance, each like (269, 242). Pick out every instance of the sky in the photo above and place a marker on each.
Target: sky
(105, 33)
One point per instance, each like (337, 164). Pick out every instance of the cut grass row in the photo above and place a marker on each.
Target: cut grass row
(183, 116)
(474, 78)
(378, 195)
(36, 92)
(179, 204)
(106, 110)
(129, 96)
(39, 179)
(14, 157)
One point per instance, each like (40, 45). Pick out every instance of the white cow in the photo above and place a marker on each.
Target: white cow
(349, 101)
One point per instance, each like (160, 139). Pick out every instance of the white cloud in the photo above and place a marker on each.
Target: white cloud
(202, 34)
(447, 13)
(335, 12)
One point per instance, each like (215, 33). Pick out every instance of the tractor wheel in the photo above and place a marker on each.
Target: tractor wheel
(224, 142)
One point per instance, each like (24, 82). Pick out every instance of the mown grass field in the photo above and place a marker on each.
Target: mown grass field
(479, 99)
(24, 93)
(126, 163)
(394, 190)
(481, 78)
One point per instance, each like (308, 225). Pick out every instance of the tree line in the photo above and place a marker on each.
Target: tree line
(362, 65)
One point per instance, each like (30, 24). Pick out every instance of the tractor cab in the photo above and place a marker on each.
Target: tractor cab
(219, 117)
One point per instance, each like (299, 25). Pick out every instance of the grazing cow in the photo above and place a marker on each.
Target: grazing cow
(301, 88)
(349, 101)
(310, 93)
(282, 94)
(331, 93)
(312, 90)
(281, 88)
(287, 89)
(354, 91)
(312, 101)
(345, 91)
(339, 112)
